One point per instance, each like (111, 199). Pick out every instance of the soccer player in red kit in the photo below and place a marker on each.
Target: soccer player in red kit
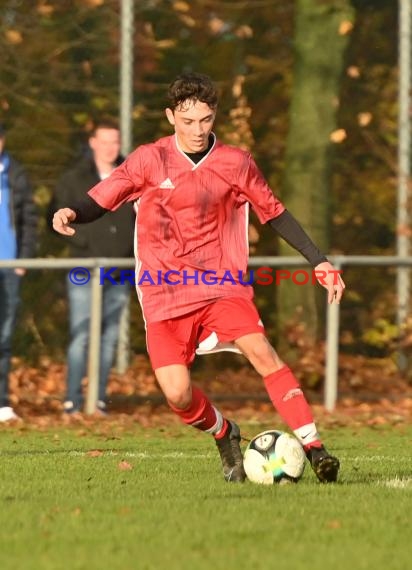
(192, 195)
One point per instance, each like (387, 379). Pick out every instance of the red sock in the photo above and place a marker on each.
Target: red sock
(287, 397)
(201, 414)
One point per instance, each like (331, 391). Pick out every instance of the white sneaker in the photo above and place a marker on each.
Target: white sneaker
(7, 414)
(69, 409)
(101, 408)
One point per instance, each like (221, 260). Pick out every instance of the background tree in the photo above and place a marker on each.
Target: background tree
(320, 40)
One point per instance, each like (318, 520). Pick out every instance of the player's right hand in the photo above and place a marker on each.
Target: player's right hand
(62, 220)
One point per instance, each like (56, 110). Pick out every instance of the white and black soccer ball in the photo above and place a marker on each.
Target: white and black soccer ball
(274, 456)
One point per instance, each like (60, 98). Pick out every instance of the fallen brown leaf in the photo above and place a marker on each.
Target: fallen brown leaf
(125, 466)
(334, 523)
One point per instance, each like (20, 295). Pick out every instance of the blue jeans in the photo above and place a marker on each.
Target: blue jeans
(114, 298)
(9, 301)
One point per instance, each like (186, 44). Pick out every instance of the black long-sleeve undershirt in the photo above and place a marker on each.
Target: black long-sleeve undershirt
(87, 210)
(292, 232)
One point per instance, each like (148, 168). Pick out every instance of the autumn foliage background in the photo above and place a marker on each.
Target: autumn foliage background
(60, 71)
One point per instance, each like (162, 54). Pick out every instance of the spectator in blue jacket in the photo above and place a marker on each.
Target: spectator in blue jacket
(18, 222)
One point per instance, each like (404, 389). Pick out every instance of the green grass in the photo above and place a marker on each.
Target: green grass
(63, 508)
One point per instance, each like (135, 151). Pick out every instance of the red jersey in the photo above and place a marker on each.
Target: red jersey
(191, 238)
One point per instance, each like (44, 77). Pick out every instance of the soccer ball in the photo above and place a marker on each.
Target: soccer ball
(274, 457)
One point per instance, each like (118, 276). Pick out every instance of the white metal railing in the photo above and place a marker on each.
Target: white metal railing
(94, 264)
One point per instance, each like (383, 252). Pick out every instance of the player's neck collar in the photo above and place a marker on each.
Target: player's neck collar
(197, 156)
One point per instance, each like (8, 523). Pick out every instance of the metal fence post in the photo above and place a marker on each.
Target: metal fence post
(332, 352)
(94, 342)
(126, 133)
(404, 167)
(123, 342)
(126, 74)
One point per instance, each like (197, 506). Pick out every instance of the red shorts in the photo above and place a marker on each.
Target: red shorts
(174, 341)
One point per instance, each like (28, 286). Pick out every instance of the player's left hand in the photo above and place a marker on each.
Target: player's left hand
(330, 278)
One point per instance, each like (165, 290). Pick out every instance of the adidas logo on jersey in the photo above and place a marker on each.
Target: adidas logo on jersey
(167, 184)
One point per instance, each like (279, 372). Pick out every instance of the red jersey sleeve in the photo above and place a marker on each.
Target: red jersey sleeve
(252, 187)
(125, 184)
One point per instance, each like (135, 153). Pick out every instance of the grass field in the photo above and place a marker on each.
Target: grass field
(74, 498)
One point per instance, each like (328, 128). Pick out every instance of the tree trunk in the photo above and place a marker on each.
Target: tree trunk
(321, 36)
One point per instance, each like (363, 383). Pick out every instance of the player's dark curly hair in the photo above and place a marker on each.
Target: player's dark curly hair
(192, 87)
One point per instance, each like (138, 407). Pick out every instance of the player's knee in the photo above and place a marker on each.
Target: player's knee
(262, 351)
(179, 399)
(264, 357)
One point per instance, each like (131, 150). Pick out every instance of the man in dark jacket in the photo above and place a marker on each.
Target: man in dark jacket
(110, 236)
(18, 221)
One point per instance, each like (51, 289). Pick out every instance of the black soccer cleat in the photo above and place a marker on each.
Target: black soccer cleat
(325, 466)
(231, 454)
